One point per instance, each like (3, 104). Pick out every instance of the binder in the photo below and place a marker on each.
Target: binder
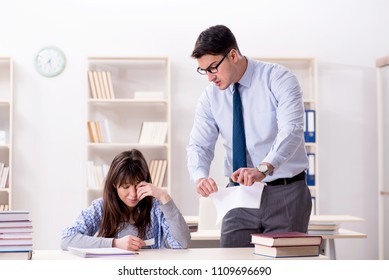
(311, 169)
(310, 126)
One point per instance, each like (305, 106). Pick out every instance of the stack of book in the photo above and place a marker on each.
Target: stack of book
(323, 228)
(286, 244)
(15, 235)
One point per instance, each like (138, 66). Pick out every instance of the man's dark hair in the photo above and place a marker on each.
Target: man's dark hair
(216, 40)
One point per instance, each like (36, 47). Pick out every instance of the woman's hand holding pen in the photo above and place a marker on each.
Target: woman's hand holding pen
(129, 242)
(144, 189)
(206, 186)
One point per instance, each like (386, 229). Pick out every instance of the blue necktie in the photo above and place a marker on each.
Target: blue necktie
(238, 136)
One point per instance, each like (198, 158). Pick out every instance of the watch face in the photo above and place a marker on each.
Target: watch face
(263, 168)
(50, 62)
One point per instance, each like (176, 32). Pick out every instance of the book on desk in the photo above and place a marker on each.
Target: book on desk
(287, 251)
(100, 252)
(286, 244)
(15, 235)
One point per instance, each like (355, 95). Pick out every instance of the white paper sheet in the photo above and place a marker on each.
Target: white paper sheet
(149, 242)
(226, 199)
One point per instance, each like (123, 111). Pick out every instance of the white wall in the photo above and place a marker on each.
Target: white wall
(49, 117)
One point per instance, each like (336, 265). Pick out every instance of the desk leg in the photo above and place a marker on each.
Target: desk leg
(331, 245)
(332, 249)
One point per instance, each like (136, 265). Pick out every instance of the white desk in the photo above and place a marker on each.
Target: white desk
(211, 238)
(174, 254)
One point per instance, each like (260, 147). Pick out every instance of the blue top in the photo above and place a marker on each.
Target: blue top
(273, 112)
(168, 228)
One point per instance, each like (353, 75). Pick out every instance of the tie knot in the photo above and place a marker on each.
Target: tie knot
(236, 87)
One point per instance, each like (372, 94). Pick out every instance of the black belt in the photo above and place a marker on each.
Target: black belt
(285, 181)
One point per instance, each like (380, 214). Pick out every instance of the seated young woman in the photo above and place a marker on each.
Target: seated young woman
(131, 211)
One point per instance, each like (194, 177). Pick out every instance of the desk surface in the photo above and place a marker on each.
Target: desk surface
(215, 234)
(313, 218)
(174, 254)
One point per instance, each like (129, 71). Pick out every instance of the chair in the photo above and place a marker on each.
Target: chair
(93, 194)
(207, 215)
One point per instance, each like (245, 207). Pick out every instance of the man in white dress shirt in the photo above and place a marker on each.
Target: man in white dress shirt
(273, 116)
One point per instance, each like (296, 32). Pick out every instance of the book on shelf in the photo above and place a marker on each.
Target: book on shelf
(92, 85)
(12, 255)
(153, 133)
(14, 216)
(100, 83)
(100, 252)
(4, 177)
(99, 131)
(158, 171)
(285, 239)
(163, 173)
(152, 169)
(97, 85)
(287, 251)
(110, 85)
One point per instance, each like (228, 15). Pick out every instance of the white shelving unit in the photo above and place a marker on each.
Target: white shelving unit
(132, 78)
(305, 68)
(6, 116)
(382, 66)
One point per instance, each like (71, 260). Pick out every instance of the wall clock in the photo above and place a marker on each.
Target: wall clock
(50, 62)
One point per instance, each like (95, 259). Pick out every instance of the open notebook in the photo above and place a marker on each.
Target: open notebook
(100, 252)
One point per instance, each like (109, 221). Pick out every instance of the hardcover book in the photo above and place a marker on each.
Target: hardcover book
(287, 251)
(14, 216)
(286, 239)
(14, 255)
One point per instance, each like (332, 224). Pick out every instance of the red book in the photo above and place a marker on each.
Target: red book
(285, 239)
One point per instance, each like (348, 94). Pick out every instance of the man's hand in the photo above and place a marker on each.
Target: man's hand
(206, 186)
(247, 176)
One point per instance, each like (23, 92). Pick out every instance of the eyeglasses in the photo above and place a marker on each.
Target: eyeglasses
(211, 69)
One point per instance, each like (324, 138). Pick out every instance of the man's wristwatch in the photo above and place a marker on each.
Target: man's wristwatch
(263, 168)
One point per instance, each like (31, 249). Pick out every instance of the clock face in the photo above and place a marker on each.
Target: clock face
(50, 62)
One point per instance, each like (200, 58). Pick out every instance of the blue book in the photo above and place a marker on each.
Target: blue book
(311, 169)
(310, 126)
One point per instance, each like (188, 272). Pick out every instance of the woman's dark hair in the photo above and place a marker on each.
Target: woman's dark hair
(216, 40)
(129, 167)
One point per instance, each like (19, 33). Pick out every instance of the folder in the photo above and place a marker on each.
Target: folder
(310, 126)
(311, 169)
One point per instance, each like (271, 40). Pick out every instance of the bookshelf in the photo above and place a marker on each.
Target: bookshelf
(305, 68)
(6, 116)
(134, 95)
(382, 68)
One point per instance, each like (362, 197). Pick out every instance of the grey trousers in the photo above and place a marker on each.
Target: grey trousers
(283, 208)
